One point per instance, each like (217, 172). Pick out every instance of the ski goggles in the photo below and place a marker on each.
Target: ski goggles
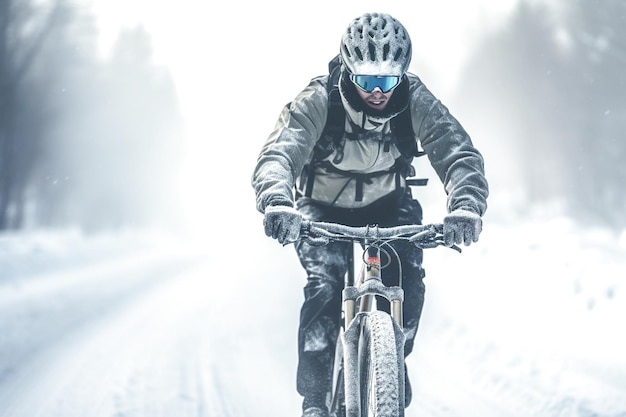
(369, 83)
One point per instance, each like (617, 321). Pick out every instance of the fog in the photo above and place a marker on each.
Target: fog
(151, 114)
(128, 127)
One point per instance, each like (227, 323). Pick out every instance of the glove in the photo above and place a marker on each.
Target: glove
(461, 226)
(282, 223)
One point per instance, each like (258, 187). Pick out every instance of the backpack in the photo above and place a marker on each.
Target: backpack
(334, 136)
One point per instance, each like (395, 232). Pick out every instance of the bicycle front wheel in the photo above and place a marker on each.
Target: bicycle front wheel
(379, 369)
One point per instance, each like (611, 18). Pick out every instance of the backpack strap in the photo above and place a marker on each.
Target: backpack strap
(402, 128)
(333, 134)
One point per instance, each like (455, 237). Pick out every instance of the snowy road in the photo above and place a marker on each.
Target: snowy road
(89, 328)
(148, 332)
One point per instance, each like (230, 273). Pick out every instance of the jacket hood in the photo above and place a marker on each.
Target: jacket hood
(363, 115)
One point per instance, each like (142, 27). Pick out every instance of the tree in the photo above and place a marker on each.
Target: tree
(85, 142)
(596, 87)
(19, 47)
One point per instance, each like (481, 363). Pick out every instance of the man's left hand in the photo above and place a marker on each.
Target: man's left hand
(461, 226)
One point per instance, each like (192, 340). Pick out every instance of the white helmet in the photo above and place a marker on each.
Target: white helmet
(376, 44)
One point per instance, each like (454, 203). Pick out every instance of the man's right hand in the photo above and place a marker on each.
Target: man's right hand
(282, 223)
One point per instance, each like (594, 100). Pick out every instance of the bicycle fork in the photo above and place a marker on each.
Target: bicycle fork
(370, 286)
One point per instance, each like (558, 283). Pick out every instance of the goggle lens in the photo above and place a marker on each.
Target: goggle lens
(369, 83)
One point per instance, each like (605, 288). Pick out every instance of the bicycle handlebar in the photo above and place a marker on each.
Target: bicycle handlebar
(422, 236)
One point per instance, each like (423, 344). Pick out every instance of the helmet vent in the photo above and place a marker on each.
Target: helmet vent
(372, 51)
(398, 54)
(386, 51)
(358, 53)
(346, 51)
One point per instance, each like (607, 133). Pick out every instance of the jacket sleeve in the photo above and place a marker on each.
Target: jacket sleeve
(456, 161)
(290, 146)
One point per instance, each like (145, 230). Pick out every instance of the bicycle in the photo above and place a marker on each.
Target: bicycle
(368, 375)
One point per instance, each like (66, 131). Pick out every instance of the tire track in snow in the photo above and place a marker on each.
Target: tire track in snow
(76, 367)
(173, 344)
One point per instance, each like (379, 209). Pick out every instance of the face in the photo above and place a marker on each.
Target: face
(376, 99)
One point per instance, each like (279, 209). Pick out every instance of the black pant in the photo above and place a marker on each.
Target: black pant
(326, 266)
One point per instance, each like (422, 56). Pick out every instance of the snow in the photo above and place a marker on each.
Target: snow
(528, 322)
(534, 315)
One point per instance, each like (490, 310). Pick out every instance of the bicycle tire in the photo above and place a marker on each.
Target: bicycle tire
(337, 395)
(379, 367)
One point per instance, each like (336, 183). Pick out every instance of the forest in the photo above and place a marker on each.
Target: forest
(86, 140)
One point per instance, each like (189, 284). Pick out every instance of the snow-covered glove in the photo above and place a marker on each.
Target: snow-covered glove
(282, 223)
(461, 226)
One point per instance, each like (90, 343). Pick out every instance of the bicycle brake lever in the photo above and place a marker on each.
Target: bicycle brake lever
(426, 235)
(456, 248)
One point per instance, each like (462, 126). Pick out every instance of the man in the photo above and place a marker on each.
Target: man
(361, 180)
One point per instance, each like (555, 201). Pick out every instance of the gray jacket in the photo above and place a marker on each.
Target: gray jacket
(449, 148)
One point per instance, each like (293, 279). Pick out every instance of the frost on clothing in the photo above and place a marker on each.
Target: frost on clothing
(290, 146)
(448, 147)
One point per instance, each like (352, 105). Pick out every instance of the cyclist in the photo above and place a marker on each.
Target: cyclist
(362, 180)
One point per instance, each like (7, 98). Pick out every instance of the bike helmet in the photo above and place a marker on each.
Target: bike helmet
(376, 44)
